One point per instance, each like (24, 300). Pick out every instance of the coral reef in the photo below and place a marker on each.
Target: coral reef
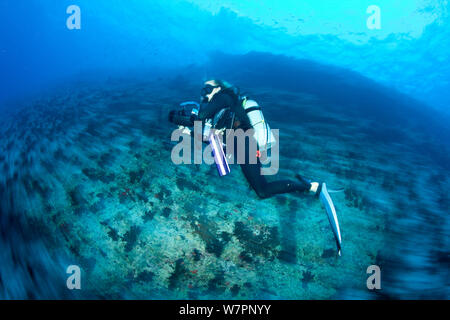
(90, 172)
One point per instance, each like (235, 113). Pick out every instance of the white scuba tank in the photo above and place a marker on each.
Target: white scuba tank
(263, 134)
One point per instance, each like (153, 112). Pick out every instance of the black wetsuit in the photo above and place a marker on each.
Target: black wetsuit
(227, 98)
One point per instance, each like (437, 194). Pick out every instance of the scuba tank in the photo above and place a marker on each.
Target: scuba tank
(263, 135)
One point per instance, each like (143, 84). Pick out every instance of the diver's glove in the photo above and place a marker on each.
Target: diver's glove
(185, 130)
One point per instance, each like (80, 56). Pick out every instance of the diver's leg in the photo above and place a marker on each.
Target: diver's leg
(258, 182)
(264, 189)
(286, 186)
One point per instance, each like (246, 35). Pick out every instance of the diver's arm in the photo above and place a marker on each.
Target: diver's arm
(187, 131)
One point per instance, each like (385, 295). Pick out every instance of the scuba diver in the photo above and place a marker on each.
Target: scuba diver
(221, 102)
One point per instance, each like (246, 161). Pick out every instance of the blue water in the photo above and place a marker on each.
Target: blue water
(85, 171)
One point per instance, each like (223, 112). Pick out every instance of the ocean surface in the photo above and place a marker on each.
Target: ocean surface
(86, 176)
